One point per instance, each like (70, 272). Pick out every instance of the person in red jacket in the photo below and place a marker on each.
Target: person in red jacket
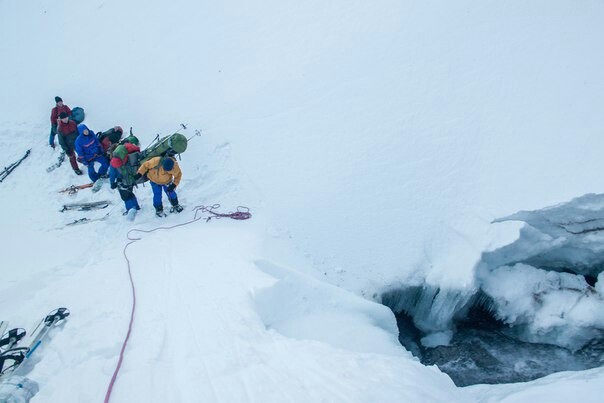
(68, 133)
(54, 119)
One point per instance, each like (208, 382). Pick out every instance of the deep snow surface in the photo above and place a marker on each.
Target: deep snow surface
(374, 142)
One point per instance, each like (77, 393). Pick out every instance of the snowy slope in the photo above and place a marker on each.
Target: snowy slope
(406, 127)
(215, 320)
(373, 141)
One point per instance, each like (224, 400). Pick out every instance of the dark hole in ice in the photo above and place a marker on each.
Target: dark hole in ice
(591, 280)
(483, 350)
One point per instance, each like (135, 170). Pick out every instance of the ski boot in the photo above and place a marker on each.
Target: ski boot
(159, 211)
(176, 208)
(131, 214)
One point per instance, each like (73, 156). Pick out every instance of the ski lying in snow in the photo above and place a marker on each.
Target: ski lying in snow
(57, 164)
(98, 184)
(51, 320)
(98, 205)
(9, 169)
(11, 360)
(11, 338)
(73, 189)
(3, 326)
(86, 220)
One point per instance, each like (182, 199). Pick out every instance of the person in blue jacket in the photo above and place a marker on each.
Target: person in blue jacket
(89, 151)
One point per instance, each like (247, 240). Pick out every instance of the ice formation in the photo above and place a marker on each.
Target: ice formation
(433, 309)
(566, 237)
(536, 285)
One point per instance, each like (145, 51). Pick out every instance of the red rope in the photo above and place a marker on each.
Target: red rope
(242, 213)
(119, 362)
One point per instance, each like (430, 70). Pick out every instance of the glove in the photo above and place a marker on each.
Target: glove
(113, 185)
(137, 176)
(171, 187)
(80, 160)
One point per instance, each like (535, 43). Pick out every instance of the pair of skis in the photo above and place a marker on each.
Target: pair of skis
(85, 206)
(98, 205)
(57, 164)
(73, 189)
(96, 186)
(12, 358)
(9, 169)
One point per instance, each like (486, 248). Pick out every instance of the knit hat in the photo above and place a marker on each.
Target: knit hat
(63, 115)
(168, 164)
(58, 99)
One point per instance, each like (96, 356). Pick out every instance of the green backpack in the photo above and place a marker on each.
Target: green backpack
(166, 146)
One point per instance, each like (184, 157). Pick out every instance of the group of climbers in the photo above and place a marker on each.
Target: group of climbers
(114, 156)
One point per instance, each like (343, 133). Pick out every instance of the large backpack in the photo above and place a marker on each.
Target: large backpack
(166, 146)
(128, 170)
(113, 135)
(77, 115)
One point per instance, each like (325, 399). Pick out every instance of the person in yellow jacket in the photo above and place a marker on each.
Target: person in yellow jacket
(164, 175)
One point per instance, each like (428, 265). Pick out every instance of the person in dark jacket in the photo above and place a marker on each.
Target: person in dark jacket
(121, 174)
(68, 133)
(54, 119)
(89, 151)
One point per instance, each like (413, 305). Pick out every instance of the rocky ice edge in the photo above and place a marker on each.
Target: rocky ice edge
(566, 237)
(545, 306)
(536, 284)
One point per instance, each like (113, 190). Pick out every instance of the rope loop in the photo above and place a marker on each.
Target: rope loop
(242, 213)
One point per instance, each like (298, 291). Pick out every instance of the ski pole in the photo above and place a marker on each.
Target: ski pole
(197, 134)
